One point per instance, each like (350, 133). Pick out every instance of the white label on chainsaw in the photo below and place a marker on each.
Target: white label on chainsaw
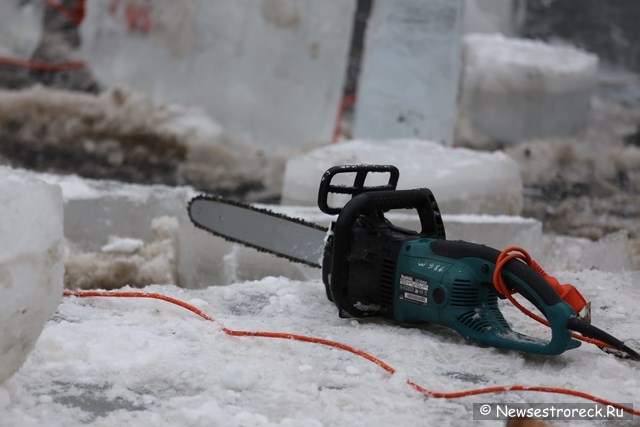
(413, 289)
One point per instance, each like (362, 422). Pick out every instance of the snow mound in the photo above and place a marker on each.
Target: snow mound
(57, 117)
(127, 261)
(31, 263)
(127, 135)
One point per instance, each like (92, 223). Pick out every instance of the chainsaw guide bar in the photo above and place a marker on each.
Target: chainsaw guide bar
(264, 230)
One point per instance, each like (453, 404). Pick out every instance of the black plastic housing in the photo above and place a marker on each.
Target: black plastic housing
(375, 244)
(363, 250)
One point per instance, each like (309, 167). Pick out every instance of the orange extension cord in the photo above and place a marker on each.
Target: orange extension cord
(391, 370)
(45, 67)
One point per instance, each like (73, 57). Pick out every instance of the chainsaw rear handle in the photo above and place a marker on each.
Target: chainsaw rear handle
(379, 201)
(361, 171)
(523, 279)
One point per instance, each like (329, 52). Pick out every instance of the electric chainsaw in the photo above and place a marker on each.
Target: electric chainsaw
(372, 268)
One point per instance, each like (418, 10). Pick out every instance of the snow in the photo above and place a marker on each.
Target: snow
(31, 263)
(124, 245)
(77, 188)
(127, 260)
(120, 124)
(115, 113)
(566, 65)
(118, 362)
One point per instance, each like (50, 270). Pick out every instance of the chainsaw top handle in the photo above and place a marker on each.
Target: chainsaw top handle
(379, 201)
(358, 187)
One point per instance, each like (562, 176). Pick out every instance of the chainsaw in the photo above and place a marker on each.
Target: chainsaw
(371, 267)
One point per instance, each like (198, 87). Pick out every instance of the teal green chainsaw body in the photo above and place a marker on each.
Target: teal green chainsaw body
(459, 293)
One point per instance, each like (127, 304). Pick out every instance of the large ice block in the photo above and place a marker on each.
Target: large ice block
(270, 71)
(516, 89)
(20, 27)
(462, 180)
(31, 263)
(95, 210)
(408, 84)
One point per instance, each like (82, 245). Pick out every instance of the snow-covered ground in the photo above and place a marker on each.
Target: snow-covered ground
(120, 362)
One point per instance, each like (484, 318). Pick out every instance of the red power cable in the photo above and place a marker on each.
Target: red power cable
(42, 66)
(391, 370)
(75, 16)
(337, 129)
